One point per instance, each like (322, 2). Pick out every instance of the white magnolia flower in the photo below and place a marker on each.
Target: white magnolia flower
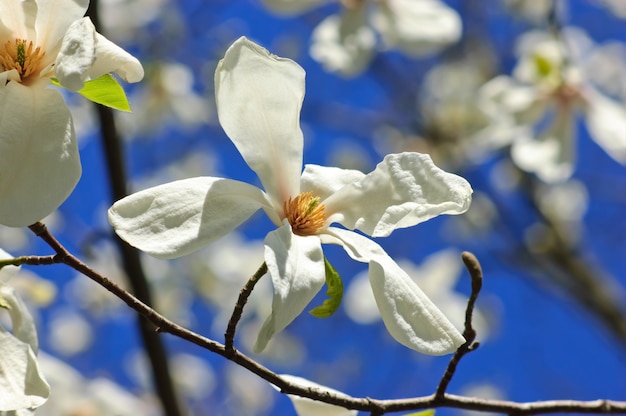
(40, 40)
(539, 105)
(258, 100)
(346, 42)
(22, 385)
(308, 407)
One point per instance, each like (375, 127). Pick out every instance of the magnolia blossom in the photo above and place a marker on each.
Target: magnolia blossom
(346, 42)
(259, 97)
(40, 40)
(538, 106)
(22, 385)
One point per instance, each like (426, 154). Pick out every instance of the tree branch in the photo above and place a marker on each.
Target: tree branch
(476, 273)
(229, 336)
(374, 406)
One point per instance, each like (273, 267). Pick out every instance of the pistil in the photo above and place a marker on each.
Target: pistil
(305, 214)
(22, 56)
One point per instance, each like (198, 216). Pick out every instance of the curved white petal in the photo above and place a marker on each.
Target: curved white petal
(39, 161)
(177, 218)
(307, 407)
(606, 122)
(22, 386)
(111, 58)
(404, 190)
(417, 27)
(345, 43)
(53, 20)
(258, 99)
(77, 54)
(324, 181)
(86, 54)
(409, 315)
(21, 319)
(292, 6)
(296, 266)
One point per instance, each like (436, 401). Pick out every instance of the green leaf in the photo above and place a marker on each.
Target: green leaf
(104, 90)
(334, 293)
(429, 412)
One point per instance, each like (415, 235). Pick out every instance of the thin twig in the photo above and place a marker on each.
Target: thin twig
(229, 336)
(475, 271)
(366, 404)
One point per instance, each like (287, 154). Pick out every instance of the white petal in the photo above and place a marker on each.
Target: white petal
(177, 218)
(77, 54)
(417, 27)
(111, 58)
(404, 190)
(53, 20)
(292, 6)
(307, 407)
(86, 54)
(410, 317)
(551, 155)
(296, 266)
(21, 319)
(17, 20)
(39, 161)
(606, 122)
(22, 385)
(258, 99)
(324, 181)
(345, 43)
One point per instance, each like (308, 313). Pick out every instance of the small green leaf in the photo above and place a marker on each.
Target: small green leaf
(429, 412)
(104, 90)
(334, 293)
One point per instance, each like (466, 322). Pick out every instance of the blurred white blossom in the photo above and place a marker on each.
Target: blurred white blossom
(73, 394)
(166, 97)
(538, 107)
(346, 42)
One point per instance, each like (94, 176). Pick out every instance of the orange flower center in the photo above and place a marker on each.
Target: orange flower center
(22, 56)
(305, 214)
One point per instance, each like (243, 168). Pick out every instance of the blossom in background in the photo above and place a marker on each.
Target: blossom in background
(308, 407)
(165, 103)
(40, 40)
(73, 394)
(346, 42)
(258, 100)
(537, 108)
(22, 384)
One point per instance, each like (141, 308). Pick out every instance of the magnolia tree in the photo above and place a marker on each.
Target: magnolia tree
(181, 252)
